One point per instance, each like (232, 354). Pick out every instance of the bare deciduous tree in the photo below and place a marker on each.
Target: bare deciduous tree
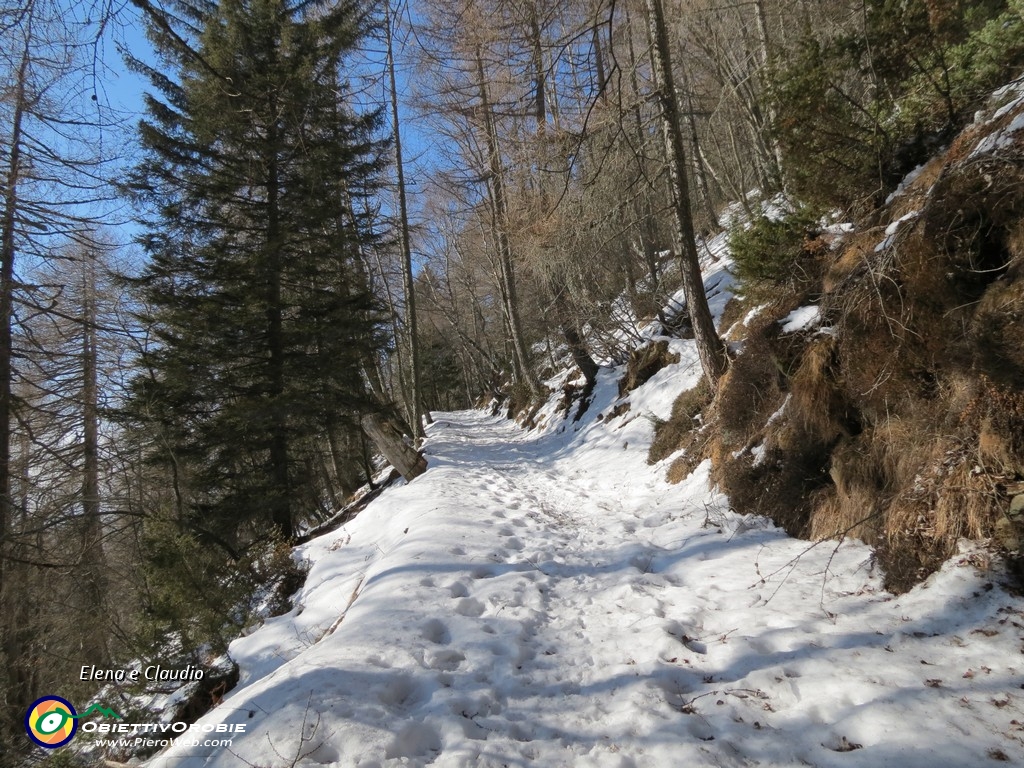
(712, 352)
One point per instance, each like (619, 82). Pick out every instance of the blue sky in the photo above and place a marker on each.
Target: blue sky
(118, 88)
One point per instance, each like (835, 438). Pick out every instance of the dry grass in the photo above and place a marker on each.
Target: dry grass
(1015, 247)
(793, 465)
(997, 329)
(909, 559)
(683, 466)
(818, 400)
(932, 354)
(677, 431)
(852, 260)
(733, 312)
(916, 484)
(996, 415)
(520, 399)
(855, 515)
(749, 392)
(782, 486)
(966, 506)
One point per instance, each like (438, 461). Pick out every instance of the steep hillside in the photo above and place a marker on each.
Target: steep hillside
(880, 394)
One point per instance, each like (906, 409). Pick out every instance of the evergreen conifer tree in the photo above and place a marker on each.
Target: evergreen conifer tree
(261, 317)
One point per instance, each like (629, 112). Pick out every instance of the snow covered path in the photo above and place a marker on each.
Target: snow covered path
(546, 599)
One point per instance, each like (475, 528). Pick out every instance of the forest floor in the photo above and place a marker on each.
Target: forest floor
(545, 598)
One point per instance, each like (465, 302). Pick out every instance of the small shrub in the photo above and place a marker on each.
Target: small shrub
(908, 559)
(698, 448)
(990, 55)
(774, 253)
(818, 399)
(859, 109)
(781, 487)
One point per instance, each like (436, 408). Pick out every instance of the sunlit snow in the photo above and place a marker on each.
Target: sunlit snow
(801, 319)
(545, 598)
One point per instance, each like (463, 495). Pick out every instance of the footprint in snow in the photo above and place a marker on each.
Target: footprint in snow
(469, 606)
(673, 581)
(476, 706)
(414, 740)
(840, 744)
(401, 692)
(446, 660)
(525, 653)
(700, 729)
(472, 730)
(434, 631)
(677, 686)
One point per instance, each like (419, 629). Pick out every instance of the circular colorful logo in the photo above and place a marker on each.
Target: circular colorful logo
(50, 722)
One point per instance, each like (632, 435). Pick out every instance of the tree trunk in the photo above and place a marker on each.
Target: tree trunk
(710, 348)
(645, 230)
(347, 481)
(386, 434)
(93, 584)
(573, 338)
(539, 75)
(764, 43)
(498, 206)
(18, 692)
(602, 78)
(699, 172)
(566, 320)
(580, 354)
(7, 255)
(280, 501)
(415, 393)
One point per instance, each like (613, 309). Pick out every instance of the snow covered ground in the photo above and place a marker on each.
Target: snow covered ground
(545, 598)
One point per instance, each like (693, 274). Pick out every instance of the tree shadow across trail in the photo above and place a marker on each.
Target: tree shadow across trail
(760, 720)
